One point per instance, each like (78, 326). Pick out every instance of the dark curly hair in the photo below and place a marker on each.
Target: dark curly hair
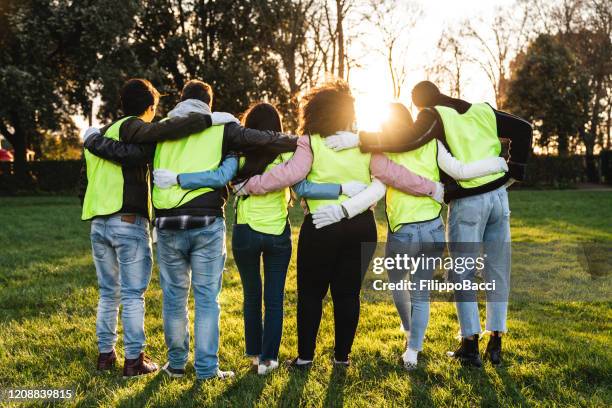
(327, 109)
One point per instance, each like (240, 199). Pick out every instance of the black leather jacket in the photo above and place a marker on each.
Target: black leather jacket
(135, 158)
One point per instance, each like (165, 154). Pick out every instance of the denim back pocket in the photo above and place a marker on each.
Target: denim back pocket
(209, 243)
(438, 237)
(98, 247)
(129, 249)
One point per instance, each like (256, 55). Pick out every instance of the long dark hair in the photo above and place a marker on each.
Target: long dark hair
(260, 116)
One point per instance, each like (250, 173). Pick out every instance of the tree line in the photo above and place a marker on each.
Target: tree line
(547, 60)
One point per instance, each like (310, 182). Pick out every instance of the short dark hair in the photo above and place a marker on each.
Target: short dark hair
(196, 89)
(425, 93)
(137, 95)
(262, 116)
(327, 109)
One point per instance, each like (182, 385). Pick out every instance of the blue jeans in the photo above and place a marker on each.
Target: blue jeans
(483, 218)
(249, 246)
(122, 256)
(425, 238)
(192, 257)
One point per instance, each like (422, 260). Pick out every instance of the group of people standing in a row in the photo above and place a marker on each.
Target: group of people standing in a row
(339, 175)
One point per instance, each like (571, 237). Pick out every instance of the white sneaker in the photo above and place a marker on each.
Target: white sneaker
(264, 368)
(410, 358)
(220, 375)
(224, 375)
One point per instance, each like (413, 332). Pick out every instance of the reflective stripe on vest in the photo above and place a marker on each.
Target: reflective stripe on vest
(404, 208)
(198, 152)
(265, 213)
(329, 166)
(472, 136)
(104, 194)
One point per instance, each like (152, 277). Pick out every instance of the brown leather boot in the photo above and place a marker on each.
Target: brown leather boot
(139, 366)
(106, 361)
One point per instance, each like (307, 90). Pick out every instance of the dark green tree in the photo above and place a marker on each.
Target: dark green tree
(549, 87)
(48, 53)
(223, 42)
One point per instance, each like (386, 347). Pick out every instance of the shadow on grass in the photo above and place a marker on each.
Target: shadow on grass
(292, 393)
(249, 384)
(140, 399)
(335, 390)
(510, 386)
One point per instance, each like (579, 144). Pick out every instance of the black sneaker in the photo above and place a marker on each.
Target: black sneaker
(293, 364)
(493, 351)
(173, 372)
(467, 353)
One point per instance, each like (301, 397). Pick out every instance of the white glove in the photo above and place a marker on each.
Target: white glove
(240, 190)
(364, 200)
(90, 132)
(164, 178)
(327, 215)
(342, 140)
(221, 118)
(438, 194)
(352, 188)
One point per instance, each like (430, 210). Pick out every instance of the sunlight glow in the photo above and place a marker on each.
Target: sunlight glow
(372, 97)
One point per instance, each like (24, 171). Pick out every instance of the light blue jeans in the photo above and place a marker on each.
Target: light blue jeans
(483, 218)
(122, 256)
(192, 257)
(425, 238)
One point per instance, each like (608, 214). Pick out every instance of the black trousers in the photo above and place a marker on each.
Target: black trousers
(332, 257)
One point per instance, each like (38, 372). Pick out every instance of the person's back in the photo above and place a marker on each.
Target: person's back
(199, 152)
(330, 166)
(481, 217)
(472, 136)
(191, 242)
(116, 200)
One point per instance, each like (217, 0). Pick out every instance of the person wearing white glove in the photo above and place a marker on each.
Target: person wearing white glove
(465, 171)
(164, 178)
(356, 205)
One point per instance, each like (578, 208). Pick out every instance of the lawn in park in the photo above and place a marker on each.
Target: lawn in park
(556, 354)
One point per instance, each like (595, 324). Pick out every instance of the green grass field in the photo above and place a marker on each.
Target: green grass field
(556, 354)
